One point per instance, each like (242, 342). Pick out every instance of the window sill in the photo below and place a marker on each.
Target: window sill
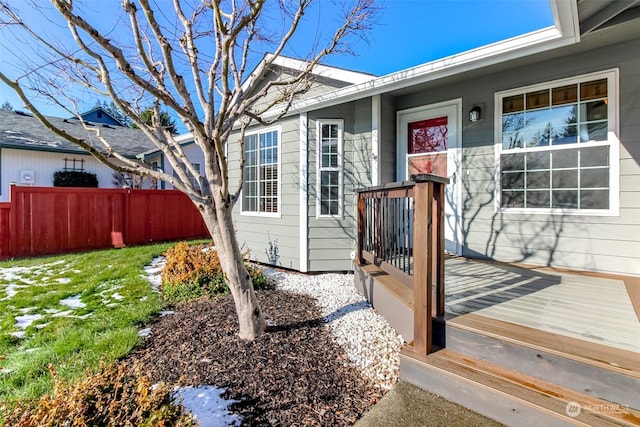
(261, 214)
(564, 212)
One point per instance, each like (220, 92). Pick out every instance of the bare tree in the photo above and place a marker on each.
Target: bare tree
(192, 60)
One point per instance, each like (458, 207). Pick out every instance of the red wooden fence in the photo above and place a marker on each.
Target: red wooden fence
(47, 220)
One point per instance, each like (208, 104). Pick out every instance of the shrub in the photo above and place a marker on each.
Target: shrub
(117, 396)
(195, 271)
(74, 179)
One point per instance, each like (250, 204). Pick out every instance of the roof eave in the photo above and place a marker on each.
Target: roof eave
(565, 31)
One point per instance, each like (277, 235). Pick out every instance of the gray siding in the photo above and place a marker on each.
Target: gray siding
(387, 161)
(331, 240)
(257, 232)
(610, 244)
(317, 85)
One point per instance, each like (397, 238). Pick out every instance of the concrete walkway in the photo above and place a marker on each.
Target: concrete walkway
(407, 406)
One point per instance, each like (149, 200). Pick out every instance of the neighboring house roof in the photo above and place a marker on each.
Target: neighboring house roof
(23, 131)
(89, 115)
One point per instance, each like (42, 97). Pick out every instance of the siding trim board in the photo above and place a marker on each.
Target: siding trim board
(376, 119)
(304, 193)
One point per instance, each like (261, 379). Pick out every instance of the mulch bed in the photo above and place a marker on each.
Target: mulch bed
(292, 375)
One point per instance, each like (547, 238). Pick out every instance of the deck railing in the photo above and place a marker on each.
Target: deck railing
(401, 230)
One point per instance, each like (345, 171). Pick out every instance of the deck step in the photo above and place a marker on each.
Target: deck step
(593, 369)
(508, 396)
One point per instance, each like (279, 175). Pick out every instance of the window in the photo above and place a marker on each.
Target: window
(557, 148)
(260, 187)
(330, 168)
(76, 165)
(195, 181)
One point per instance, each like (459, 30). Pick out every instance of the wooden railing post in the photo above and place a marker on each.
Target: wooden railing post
(422, 267)
(438, 229)
(428, 258)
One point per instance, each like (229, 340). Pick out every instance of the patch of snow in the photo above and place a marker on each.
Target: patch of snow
(51, 310)
(42, 325)
(26, 310)
(63, 280)
(73, 302)
(117, 297)
(19, 334)
(206, 405)
(31, 350)
(23, 322)
(154, 272)
(11, 290)
(166, 313)
(144, 332)
(5, 371)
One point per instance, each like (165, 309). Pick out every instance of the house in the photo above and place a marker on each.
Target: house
(538, 135)
(30, 153)
(100, 115)
(536, 140)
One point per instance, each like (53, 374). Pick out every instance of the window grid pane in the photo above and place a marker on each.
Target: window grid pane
(562, 115)
(567, 179)
(566, 175)
(329, 169)
(260, 184)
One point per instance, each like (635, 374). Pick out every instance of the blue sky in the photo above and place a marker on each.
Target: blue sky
(406, 33)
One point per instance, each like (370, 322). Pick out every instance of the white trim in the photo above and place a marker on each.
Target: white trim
(340, 167)
(454, 206)
(558, 35)
(278, 214)
(376, 119)
(304, 193)
(613, 91)
(347, 76)
(334, 73)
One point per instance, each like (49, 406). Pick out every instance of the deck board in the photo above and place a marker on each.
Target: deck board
(594, 308)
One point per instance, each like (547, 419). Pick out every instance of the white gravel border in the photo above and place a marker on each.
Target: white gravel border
(368, 340)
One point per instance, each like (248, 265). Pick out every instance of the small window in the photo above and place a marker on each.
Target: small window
(260, 187)
(555, 147)
(330, 168)
(76, 165)
(195, 181)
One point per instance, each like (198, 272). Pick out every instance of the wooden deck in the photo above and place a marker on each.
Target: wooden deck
(593, 308)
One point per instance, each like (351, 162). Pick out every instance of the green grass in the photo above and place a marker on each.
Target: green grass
(116, 296)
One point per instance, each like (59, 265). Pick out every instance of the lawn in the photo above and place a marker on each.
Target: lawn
(70, 311)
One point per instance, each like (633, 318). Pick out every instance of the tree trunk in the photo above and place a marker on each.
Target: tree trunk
(220, 224)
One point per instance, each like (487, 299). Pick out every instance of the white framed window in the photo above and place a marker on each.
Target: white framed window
(330, 168)
(557, 147)
(261, 179)
(195, 181)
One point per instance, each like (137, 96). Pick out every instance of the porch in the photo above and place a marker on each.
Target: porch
(520, 344)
